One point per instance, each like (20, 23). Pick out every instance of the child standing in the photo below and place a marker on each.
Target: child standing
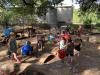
(41, 42)
(62, 52)
(77, 47)
(70, 51)
(12, 47)
(51, 39)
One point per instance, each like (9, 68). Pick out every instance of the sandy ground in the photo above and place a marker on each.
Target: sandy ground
(87, 64)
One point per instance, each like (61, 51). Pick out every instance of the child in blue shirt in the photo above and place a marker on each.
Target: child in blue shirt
(51, 37)
(27, 49)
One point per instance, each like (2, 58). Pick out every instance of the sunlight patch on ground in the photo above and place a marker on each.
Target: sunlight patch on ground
(98, 48)
(3, 53)
(92, 39)
(93, 71)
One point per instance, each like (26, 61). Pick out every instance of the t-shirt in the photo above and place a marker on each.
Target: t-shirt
(50, 37)
(62, 45)
(26, 49)
(12, 46)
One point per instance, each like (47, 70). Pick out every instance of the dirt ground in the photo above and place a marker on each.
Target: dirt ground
(87, 64)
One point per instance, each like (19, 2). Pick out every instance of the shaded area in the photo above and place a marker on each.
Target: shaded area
(35, 70)
(49, 58)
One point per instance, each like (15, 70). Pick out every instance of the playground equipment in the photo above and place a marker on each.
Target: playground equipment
(48, 57)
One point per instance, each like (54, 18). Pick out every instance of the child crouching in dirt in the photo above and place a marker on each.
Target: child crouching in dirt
(12, 47)
(27, 49)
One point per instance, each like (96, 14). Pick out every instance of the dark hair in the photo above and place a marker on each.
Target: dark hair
(77, 40)
(69, 40)
(58, 33)
(63, 32)
(28, 42)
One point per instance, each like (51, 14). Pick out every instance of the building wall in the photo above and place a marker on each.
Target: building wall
(65, 14)
(52, 16)
(65, 11)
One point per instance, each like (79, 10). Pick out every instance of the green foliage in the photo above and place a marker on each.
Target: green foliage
(85, 18)
(25, 10)
(89, 10)
(25, 6)
(98, 24)
(76, 17)
(38, 7)
(45, 26)
(42, 9)
(87, 22)
(22, 9)
(89, 5)
(5, 17)
(89, 18)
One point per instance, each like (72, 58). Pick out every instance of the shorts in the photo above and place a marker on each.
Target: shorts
(62, 54)
(9, 52)
(70, 53)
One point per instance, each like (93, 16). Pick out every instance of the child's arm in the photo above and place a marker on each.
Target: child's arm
(21, 53)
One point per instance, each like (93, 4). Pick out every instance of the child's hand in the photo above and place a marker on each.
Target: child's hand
(65, 46)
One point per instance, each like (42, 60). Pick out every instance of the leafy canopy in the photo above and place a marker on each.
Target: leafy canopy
(38, 7)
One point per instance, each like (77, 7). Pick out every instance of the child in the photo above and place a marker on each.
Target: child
(80, 32)
(70, 51)
(27, 49)
(66, 36)
(12, 47)
(62, 52)
(77, 47)
(41, 41)
(51, 37)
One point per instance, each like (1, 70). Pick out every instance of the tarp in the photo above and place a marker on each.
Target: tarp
(7, 32)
